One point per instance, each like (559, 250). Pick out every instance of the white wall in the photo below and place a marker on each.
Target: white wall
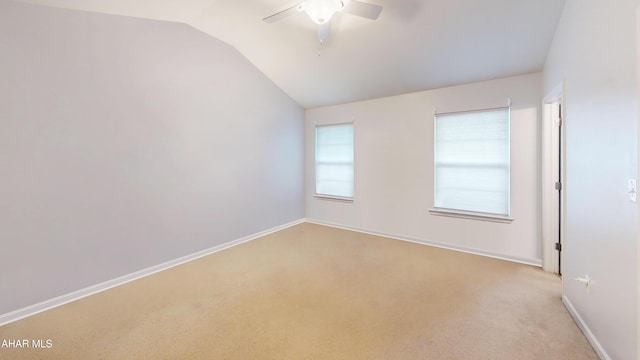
(394, 167)
(594, 51)
(125, 143)
(638, 143)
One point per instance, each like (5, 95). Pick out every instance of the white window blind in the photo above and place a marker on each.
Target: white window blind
(472, 161)
(334, 160)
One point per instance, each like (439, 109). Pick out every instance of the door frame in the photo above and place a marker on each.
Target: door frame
(553, 206)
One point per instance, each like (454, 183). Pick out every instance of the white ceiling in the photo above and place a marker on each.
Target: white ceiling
(414, 45)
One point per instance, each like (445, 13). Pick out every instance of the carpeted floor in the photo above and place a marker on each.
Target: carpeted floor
(315, 292)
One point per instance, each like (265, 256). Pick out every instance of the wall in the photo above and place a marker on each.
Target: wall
(638, 142)
(594, 52)
(125, 143)
(394, 167)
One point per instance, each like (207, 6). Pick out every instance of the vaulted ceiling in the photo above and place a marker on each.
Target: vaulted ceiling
(414, 45)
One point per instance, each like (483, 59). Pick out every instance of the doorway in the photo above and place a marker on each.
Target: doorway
(553, 180)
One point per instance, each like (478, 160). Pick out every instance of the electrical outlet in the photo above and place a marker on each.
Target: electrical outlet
(586, 281)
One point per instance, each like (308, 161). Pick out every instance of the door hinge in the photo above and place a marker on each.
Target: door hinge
(558, 246)
(558, 122)
(558, 185)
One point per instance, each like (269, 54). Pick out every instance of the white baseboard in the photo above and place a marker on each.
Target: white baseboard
(534, 262)
(94, 289)
(585, 330)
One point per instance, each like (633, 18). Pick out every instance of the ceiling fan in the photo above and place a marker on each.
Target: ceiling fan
(321, 11)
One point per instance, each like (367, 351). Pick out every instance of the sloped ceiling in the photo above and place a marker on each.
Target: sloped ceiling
(414, 45)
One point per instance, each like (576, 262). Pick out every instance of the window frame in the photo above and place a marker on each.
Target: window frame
(469, 214)
(332, 197)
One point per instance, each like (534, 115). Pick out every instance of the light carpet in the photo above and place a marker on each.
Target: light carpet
(316, 292)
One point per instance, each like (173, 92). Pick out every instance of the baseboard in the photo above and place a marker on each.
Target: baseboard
(597, 347)
(534, 262)
(94, 289)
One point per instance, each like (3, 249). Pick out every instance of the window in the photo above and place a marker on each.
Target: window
(472, 161)
(334, 161)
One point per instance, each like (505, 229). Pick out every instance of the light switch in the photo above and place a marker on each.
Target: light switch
(633, 190)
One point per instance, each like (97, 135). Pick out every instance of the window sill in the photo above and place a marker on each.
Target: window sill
(471, 215)
(333, 198)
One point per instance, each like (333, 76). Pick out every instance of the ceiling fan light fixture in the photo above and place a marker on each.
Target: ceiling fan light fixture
(321, 11)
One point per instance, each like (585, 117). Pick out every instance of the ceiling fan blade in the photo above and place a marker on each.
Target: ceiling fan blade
(284, 13)
(323, 31)
(364, 10)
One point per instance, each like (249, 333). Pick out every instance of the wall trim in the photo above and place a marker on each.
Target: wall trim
(533, 262)
(471, 215)
(94, 289)
(597, 347)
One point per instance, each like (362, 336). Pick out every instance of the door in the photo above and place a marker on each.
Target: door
(552, 181)
(557, 152)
